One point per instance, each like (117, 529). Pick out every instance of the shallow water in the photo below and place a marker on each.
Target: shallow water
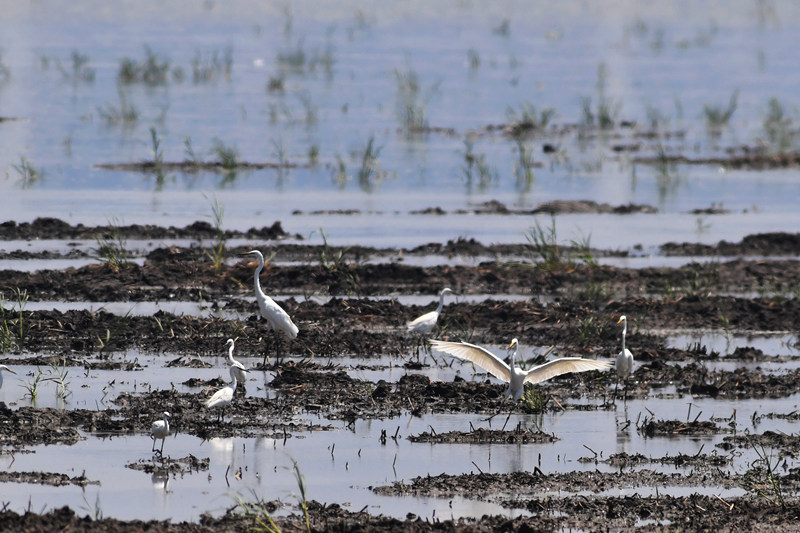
(549, 59)
(668, 59)
(725, 343)
(343, 464)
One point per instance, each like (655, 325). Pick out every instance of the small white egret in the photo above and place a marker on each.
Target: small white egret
(239, 368)
(278, 319)
(624, 363)
(223, 397)
(425, 323)
(512, 374)
(160, 430)
(4, 367)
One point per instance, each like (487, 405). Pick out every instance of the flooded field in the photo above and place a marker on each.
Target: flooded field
(557, 166)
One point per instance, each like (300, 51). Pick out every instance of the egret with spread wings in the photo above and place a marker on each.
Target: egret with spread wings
(510, 372)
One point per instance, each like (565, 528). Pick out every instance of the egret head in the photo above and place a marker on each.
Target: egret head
(258, 256)
(622, 319)
(166, 414)
(512, 348)
(4, 367)
(229, 343)
(446, 290)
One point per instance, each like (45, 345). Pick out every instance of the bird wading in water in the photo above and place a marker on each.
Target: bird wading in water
(278, 320)
(160, 430)
(624, 362)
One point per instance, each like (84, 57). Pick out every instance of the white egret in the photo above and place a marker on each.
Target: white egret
(4, 367)
(624, 363)
(223, 397)
(275, 316)
(425, 323)
(512, 374)
(239, 368)
(160, 430)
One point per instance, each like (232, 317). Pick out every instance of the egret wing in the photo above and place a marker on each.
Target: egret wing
(278, 318)
(423, 321)
(221, 397)
(565, 365)
(480, 356)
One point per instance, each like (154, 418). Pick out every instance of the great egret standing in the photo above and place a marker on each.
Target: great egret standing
(239, 368)
(624, 363)
(223, 397)
(4, 367)
(160, 430)
(425, 323)
(422, 325)
(275, 316)
(510, 372)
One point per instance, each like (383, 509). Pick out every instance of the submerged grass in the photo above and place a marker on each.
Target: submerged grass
(227, 156)
(153, 70)
(529, 118)
(778, 127)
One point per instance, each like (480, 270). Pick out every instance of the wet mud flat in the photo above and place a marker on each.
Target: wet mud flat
(571, 305)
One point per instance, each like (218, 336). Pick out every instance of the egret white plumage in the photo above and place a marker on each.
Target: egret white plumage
(223, 397)
(4, 367)
(425, 323)
(239, 368)
(160, 430)
(624, 363)
(510, 372)
(277, 319)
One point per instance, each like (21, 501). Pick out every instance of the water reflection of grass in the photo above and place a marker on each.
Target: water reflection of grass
(717, 117)
(412, 100)
(29, 175)
(125, 113)
(476, 168)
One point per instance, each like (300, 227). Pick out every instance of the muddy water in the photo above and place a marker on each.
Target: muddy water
(343, 462)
